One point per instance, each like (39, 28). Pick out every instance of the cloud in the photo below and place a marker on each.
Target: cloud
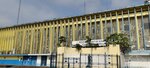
(8, 12)
(69, 2)
(5, 22)
(93, 6)
(30, 13)
(39, 10)
(125, 3)
(120, 3)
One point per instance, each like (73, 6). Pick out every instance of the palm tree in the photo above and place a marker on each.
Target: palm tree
(120, 39)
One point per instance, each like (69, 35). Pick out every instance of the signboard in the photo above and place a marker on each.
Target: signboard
(83, 43)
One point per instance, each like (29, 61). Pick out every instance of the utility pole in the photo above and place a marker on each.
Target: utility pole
(84, 6)
(18, 12)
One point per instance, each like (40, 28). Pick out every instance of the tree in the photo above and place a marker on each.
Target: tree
(78, 47)
(120, 39)
(89, 44)
(88, 41)
(61, 41)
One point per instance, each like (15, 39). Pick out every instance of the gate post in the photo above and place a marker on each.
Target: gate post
(80, 61)
(56, 60)
(73, 62)
(105, 61)
(62, 60)
(68, 63)
(117, 61)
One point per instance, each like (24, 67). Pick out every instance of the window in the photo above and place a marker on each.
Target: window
(147, 31)
(98, 30)
(83, 31)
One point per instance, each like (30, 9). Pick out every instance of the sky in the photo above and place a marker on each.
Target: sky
(39, 10)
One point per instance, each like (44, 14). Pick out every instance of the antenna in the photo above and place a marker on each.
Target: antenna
(18, 12)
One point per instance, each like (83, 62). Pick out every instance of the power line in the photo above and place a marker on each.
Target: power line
(18, 12)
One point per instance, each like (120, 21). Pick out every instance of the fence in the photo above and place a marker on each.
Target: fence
(85, 61)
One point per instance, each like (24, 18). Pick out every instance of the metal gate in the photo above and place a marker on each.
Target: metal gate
(71, 62)
(53, 60)
(85, 61)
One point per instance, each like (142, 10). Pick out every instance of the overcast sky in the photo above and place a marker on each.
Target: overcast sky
(40, 10)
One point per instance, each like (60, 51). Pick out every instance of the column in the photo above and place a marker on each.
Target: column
(137, 29)
(41, 37)
(117, 20)
(122, 21)
(101, 27)
(73, 30)
(95, 27)
(23, 40)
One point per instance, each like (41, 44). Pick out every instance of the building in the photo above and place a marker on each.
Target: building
(42, 37)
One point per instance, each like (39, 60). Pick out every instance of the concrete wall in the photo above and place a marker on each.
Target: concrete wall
(112, 50)
(137, 61)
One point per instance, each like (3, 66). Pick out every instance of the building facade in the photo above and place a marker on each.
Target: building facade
(42, 37)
